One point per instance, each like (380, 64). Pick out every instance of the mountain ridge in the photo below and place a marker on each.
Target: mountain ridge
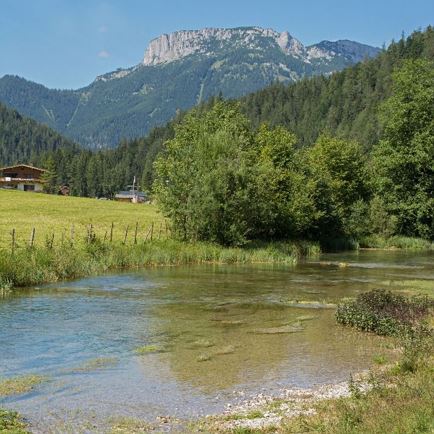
(173, 46)
(177, 72)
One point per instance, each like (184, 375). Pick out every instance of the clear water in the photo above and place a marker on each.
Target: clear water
(220, 330)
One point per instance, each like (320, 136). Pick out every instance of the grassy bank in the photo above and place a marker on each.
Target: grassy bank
(33, 266)
(395, 242)
(400, 397)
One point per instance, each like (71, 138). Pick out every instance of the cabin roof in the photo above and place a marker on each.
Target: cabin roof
(27, 166)
(129, 194)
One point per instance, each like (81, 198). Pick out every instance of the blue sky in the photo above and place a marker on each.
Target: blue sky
(67, 43)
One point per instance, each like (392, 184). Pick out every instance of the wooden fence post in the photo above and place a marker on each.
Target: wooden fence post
(51, 242)
(13, 244)
(126, 234)
(152, 230)
(160, 230)
(147, 234)
(135, 232)
(32, 237)
(111, 232)
(90, 234)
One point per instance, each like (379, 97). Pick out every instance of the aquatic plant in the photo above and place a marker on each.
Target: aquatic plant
(128, 425)
(96, 363)
(148, 349)
(12, 423)
(20, 385)
(203, 358)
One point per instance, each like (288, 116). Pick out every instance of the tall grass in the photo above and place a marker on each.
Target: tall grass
(34, 266)
(395, 242)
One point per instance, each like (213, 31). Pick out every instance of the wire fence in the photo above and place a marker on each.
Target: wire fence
(74, 236)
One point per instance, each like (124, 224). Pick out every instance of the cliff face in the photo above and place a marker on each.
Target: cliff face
(210, 41)
(174, 46)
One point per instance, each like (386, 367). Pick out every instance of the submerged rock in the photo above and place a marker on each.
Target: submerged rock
(229, 349)
(203, 358)
(311, 304)
(290, 328)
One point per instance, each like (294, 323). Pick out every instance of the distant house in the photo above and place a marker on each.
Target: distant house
(22, 177)
(131, 196)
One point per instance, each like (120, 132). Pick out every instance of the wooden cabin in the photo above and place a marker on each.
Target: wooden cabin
(22, 177)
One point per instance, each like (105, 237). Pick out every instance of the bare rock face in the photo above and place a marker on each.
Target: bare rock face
(174, 46)
(209, 41)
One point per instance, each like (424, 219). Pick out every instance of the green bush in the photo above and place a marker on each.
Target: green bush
(385, 313)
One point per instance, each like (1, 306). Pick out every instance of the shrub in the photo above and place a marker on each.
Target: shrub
(385, 313)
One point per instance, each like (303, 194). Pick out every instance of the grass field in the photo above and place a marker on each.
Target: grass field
(50, 214)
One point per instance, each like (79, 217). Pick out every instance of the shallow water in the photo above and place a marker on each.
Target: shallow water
(219, 332)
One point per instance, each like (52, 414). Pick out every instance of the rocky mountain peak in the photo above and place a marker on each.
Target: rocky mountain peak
(174, 46)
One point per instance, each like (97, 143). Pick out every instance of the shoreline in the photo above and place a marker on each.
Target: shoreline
(268, 411)
(29, 267)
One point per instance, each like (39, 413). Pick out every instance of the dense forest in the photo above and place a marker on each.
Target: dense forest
(355, 111)
(344, 104)
(24, 140)
(222, 179)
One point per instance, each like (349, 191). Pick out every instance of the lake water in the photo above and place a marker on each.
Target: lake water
(218, 333)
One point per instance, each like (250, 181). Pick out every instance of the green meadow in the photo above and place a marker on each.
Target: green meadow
(59, 215)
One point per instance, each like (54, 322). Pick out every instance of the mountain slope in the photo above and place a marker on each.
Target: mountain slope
(22, 140)
(345, 104)
(178, 71)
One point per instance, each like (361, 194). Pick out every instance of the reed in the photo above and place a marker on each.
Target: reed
(37, 265)
(396, 242)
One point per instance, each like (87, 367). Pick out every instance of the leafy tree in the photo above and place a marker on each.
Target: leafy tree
(286, 205)
(204, 177)
(337, 168)
(404, 160)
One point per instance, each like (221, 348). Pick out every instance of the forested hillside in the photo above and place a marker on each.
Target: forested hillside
(24, 140)
(346, 103)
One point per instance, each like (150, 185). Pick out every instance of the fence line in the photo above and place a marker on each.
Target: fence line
(89, 236)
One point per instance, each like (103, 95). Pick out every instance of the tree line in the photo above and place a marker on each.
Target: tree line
(221, 179)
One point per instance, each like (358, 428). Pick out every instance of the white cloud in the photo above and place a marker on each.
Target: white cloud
(104, 54)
